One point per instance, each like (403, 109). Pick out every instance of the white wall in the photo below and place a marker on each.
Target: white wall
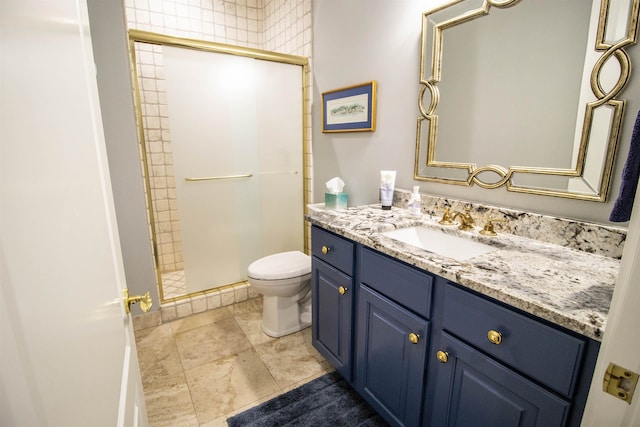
(361, 40)
(354, 42)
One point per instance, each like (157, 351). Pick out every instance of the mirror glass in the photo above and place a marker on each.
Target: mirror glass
(523, 94)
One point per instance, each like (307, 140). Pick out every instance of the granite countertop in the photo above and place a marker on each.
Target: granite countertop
(565, 286)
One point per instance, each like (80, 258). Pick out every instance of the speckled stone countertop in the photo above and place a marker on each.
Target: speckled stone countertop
(568, 287)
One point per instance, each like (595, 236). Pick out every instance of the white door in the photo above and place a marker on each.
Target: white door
(621, 343)
(67, 355)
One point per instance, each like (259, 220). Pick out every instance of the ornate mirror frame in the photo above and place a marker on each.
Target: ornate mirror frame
(596, 189)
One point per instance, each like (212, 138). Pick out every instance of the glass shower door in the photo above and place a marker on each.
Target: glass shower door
(237, 156)
(212, 111)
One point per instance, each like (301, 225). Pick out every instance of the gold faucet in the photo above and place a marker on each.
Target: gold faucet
(446, 218)
(465, 219)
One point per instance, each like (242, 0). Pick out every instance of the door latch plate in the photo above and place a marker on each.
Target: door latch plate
(620, 382)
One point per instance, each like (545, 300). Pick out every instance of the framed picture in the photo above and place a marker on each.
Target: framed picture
(350, 109)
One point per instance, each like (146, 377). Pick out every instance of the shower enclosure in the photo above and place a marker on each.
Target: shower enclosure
(223, 155)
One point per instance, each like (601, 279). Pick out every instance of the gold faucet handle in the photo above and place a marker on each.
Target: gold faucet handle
(467, 213)
(446, 218)
(488, 229)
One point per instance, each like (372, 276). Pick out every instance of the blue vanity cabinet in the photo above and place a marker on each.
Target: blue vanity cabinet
(427, 352)
(394, 303)
(332, 298)
(491, 365)
(475, 390)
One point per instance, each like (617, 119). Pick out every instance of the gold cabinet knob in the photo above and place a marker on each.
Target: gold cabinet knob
(442, 356)
(342, 290)
(414, 338)
(494, 337)
(325, 249)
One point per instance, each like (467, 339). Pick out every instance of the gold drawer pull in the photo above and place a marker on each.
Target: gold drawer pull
(325, 249)
(342, 290)
(414, 338)
(494, 337)
(442, 356)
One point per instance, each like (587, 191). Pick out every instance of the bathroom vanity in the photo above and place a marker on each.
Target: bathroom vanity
(506, 338)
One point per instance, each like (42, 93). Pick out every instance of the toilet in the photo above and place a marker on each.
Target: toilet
(284, 280)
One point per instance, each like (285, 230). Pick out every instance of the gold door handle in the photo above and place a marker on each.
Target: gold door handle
(442, 356)
(494, 337)
(342, 290)
(145, 301)
(414, 338)
(325, 249)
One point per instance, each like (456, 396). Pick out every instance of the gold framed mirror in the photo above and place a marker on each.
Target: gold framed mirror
(524, 94)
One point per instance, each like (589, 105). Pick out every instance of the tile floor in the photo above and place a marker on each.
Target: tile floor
(198, 370)
(173, 284)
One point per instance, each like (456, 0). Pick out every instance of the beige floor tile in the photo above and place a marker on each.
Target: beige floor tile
(201, 369)
(308, 379)
(218, 422)
(158, 359)
(249, 316)
(211, 342)
(308, 344)
(169, 404)
(222, 386)
(147, 320)
(200, 319)
(153, 333)
(250, 306)
(223, 419)
(289, 360)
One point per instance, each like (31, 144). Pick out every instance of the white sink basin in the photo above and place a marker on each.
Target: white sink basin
(435, 241)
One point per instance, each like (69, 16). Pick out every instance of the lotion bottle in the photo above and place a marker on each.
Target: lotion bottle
(415, 202)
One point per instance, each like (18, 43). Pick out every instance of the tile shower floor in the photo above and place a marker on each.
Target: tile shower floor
(198, 370)
(173, 284)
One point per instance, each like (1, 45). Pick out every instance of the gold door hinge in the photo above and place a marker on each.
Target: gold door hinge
(620, 382)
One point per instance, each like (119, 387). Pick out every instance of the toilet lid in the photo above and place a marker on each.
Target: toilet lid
(283, 265)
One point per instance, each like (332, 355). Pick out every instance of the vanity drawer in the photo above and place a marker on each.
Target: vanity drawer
(531, 347)
(332, 249)
(404, 284)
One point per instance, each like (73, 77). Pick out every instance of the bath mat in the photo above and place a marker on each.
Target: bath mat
(325, 401)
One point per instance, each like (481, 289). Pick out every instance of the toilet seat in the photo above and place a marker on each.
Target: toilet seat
(284, 265)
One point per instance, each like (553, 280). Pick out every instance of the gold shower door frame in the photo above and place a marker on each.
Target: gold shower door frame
(164, 40)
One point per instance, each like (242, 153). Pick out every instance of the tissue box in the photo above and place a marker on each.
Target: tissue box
(333, 201)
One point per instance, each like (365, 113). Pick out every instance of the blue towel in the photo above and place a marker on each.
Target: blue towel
(622, 208)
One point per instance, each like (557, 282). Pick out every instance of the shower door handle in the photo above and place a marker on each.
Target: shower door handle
(214, 178)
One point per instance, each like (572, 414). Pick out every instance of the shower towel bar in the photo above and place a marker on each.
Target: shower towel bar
(212, 178)
(249, 175)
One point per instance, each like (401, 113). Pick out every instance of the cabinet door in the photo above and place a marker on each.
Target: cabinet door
(332, 301)
(391, 350)
(474, 390)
